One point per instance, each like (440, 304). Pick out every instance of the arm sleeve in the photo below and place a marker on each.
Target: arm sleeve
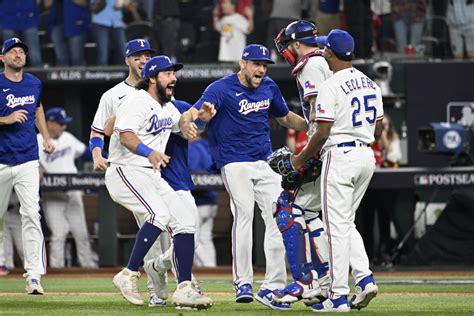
(212, 94)
(104, 111)
(326, 105)
(311, 77)
(278, 106)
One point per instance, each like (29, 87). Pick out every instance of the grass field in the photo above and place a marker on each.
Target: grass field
(93, 294)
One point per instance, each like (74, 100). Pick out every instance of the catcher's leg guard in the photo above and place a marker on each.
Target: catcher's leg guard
(292, 227)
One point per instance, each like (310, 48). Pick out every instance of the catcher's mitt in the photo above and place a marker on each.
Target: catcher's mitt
(280, 162)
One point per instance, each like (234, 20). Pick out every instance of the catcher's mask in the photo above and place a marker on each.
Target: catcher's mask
(301, 31)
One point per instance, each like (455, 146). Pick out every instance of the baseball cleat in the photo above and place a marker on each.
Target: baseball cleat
(296, 291)
(159, 279)
(338, 305)
(126, 282)
(266, 297)
(33, 286)
(365, 291)
(244, 294)
(155, 301)
(187, 297)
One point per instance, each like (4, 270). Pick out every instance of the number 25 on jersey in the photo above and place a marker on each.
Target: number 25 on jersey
(370, 113)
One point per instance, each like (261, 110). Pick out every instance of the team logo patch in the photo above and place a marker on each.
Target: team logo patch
(320, 109)
(308, 84)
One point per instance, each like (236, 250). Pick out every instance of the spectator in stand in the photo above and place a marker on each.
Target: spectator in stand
(233, 28)
(327, 16)
(107, 26)
(387, 152)
(384, 36)
(244, 7)
(460, 16)
(408, 18)
(166, 27)
(359, 23)
(283, 13)
(20, 18)
(11, 236)
(199, 161)
(68, 24)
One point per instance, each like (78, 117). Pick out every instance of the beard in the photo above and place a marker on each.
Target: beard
(161, 92)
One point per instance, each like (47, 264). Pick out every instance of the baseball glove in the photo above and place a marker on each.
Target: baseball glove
(292, 179)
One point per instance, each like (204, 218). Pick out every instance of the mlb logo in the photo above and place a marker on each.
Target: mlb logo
(319, 108)
(421, 179)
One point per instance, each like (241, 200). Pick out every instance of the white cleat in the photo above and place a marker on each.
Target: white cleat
(33, 286)
(365, 291)
(159, 278)
(126, 282)
(155, 301)
(187, 297)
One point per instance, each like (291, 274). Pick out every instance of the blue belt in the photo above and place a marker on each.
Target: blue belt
(352, 144)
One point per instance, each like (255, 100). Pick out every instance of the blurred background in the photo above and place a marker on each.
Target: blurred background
(419, 209)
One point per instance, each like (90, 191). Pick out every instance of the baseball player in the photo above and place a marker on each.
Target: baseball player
(297, 44)
(137, 53)
(20, 111)
(349, 115)
(64, 211)
(239, 138)
(143, 126)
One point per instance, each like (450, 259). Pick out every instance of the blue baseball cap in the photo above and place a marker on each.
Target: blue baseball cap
(12, 42)
(138, 45)
(256, 52)
(339, 41)
(157, 64)
(58, 114)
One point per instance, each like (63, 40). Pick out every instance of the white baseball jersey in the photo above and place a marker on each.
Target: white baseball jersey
(109, 103)
(149, 120)
(68, 148)
(354, 103)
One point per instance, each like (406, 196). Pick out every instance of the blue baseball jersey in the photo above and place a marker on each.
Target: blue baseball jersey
(176, 173)
(240, 131)
(199, 161)
(18, 142)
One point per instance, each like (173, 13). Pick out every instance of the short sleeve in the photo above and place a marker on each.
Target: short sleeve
(379, 105)
(104, 111)
(311, 77)
(212, 94)
(326, 105)
(278, 107)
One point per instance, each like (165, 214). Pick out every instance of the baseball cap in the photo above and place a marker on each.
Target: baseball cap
(339, 41)
(58, 114)
(256, 52)
(138, 45)
(12, 42)
(157, 64)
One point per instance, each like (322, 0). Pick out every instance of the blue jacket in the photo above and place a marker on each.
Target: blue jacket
(76, 18)
(18, 15)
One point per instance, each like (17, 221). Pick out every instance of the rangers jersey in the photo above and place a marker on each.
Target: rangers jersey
(67, 149)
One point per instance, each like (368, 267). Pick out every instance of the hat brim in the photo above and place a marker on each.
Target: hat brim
(22, 45)
(151, 50)
(268, 60)
(322, 40)
(65, 120)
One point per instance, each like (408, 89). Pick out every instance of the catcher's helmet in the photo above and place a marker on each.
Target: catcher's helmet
(301, 31)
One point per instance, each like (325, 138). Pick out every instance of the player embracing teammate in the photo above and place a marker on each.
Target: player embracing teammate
(344, 113)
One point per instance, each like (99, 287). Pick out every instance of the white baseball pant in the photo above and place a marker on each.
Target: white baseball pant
(247, 183)
(25, 179)
(64, 213)
(12, 238)
(345, 176)
(205, 255)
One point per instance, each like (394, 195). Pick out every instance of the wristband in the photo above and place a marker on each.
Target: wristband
(143, 150)
(96, 142)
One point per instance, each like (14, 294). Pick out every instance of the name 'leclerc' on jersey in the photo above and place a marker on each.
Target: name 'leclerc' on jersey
(356, 84)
